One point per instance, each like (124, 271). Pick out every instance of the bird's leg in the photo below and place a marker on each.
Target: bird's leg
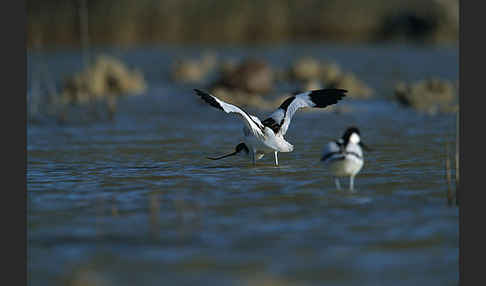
(338, 185)
(253, 157)
(351, 183)
(276, 158)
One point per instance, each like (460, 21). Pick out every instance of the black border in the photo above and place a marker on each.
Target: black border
(459, 197)
(471, 79)
(14, 159)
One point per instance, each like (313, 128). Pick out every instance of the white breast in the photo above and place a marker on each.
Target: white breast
(347, 164)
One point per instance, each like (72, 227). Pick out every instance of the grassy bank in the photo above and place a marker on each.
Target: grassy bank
(128, 22)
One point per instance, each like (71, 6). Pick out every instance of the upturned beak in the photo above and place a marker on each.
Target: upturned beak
(365, 147)
(224, 156)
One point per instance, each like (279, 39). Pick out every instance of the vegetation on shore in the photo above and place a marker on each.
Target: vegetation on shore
(127, 22)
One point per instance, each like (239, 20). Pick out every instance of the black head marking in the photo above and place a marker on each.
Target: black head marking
(241, 147)
(349, 132)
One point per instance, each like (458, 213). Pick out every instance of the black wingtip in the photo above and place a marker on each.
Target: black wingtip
(326, 97)
(208, 98)
(201, 93)
(329, 91)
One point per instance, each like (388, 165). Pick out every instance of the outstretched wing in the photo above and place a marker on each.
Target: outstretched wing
(252, 122)
(279, 120)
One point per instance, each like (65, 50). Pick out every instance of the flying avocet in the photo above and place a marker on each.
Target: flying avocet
(344, 157)
(261, 137)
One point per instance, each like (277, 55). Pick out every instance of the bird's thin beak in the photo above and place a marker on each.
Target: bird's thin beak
(365, 147)
(224, 156)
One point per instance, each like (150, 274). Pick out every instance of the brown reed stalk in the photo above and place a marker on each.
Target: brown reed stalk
(114, 208)
(154, 210)
(450, 196)
(457, 157)
(84, 32)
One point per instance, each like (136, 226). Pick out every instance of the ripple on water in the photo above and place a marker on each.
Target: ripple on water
(138, 195)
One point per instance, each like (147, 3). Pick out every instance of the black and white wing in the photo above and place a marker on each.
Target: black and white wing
(279, 120)
(252, 122)
(334, 150)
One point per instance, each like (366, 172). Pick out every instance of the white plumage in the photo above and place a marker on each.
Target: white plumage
(344, 157)
(261, 137)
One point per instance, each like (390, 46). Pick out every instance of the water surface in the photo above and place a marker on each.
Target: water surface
(134, 201)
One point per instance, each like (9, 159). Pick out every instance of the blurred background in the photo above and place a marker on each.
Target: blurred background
(201, 35)
(128, 23)
(120, 191)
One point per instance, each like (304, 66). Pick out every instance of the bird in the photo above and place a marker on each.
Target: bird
(344, 157)
(241, 150)
(267, 136)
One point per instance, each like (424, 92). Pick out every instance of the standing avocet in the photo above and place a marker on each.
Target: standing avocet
(344, 157)
(267, 136)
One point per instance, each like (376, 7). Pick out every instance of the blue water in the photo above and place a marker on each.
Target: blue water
(134, 201)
